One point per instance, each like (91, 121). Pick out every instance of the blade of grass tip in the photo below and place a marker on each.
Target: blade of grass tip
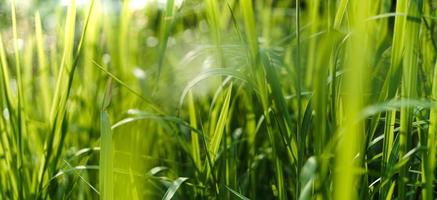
(237, 194)
(19, 111)
(309, 173)
(171, 191)
(342, 9)
(166, 28)
(391, 191)
(67, 57)
(106, 149)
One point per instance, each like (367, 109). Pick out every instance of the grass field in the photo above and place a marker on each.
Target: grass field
(209, 99)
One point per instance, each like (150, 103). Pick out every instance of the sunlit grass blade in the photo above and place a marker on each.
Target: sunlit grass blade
(173, 188)
(20, 125)
(43, 66)
(219, 129)
(431, 144)
(349, 150)
(106, 159)
(194, 137)
(408, 89)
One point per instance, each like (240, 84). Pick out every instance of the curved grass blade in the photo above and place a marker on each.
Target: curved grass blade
(171, 191)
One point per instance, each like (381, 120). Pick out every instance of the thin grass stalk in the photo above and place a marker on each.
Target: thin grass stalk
(389, 91)
(20, 105)
(167, 24)
(408, 88)
(341, 10)
(429, 49)
(431, 144)
(43, 66)
(257, 72)
(299, 74)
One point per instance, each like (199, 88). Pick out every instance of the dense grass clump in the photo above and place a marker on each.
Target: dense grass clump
(208, 99)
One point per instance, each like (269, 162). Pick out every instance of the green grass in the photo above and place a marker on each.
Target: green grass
(320, 99)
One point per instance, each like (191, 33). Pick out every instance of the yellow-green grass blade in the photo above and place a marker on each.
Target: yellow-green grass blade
(219, 129)
(408, 88)
(20, 126)
(43, 68)
(348, 155)
(67, 60)
(168, 19)
(63, 88)
(171, 191)
(194, 137)
(6, 77)
(213, 16)
(431, 144)
(341, 11)
(106, 177)
(249, 24)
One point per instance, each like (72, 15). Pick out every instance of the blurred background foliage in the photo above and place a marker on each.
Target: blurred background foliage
(206, 99)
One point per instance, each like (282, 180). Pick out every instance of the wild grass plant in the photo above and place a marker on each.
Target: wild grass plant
(207, 99)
